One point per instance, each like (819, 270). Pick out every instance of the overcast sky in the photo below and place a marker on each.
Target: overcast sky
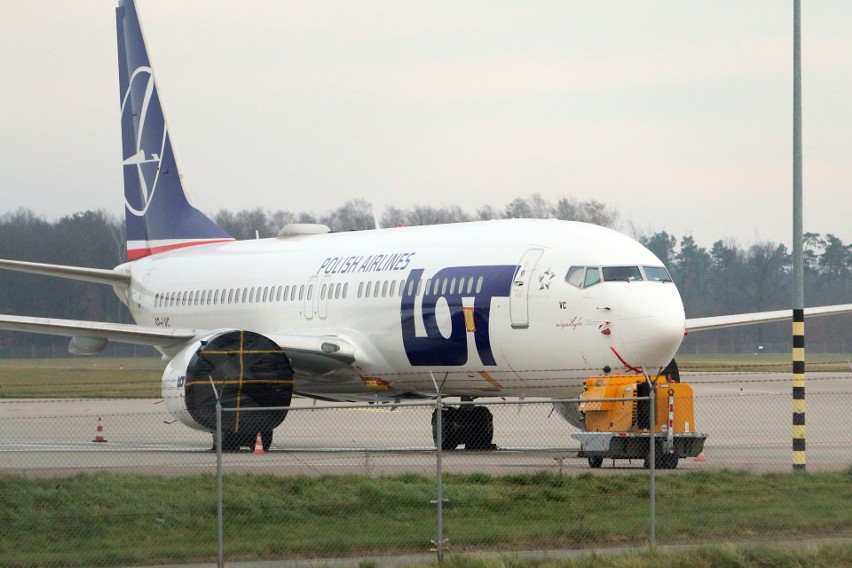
(678, 114)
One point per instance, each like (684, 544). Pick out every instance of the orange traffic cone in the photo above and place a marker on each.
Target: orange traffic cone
(99, 437)
(258, 445)
(700, 457)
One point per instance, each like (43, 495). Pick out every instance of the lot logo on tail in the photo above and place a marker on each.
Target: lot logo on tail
(151, 140)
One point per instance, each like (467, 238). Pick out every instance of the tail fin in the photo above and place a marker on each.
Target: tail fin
(158, 213)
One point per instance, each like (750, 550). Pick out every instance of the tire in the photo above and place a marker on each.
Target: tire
(662, 459)
(595, 461)
(450, 428)
(478, 427)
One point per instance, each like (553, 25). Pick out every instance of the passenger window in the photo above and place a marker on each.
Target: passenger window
(453, 286)
(293, 293)
(593, 276)
(360, 288)
(251, 296)
(376, 289)
(461, 285)
(244, 295)
(402, 287)
(322, 292)
(392, 288)
(345, 290)
(286, 293)
(470, 285)
(369, 287)
(203, 297)
(479, 282)
(420, 285)
(575, 276)
(443, 287)
(310, 291)
(384, 289)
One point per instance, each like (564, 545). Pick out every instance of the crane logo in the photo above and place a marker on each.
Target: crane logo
(142, 116)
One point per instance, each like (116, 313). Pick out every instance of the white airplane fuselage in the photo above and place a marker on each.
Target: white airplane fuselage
(501, 320)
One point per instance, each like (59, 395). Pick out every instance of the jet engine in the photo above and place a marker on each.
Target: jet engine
(245, 371)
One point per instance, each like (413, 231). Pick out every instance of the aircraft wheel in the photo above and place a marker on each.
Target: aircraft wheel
(450, 428)
(595, 461)
(479, 428)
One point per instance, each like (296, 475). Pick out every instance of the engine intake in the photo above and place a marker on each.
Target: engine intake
(246, 369)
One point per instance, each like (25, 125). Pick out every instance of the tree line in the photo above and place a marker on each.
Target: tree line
(725, 278)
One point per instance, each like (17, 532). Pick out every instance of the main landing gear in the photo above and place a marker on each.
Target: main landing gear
(471, 426)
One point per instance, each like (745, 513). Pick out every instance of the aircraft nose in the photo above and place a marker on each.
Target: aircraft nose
(652, 323)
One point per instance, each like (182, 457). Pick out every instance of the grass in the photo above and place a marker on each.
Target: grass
(86, 520)
(81, 377)
(763, 362)
(823, 555)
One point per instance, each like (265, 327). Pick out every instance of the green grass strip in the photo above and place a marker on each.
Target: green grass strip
(102, 520)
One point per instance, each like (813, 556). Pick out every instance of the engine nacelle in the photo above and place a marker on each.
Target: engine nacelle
(244, 370)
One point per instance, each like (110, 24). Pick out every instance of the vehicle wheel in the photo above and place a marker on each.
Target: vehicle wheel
(595, 461)
(450, 428)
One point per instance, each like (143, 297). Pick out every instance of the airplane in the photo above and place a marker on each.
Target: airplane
(502, 308)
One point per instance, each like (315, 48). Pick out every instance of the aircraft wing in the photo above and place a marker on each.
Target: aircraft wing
(719, 322)
(119, 332)
(99, 275)
(313, 354)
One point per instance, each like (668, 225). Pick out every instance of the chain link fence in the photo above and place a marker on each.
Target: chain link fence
(119, 483)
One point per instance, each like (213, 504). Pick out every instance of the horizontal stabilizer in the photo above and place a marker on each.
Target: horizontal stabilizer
(719, 322)
(99, 275)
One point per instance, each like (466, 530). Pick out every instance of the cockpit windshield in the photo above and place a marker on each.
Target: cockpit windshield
(621, 273)
(586, 276)
(657, 273)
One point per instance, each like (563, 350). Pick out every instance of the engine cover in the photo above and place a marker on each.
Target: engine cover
(244, 369)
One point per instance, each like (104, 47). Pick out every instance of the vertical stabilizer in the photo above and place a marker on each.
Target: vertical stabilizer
(158, 214)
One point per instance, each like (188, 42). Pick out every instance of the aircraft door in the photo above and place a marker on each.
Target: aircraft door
(310, 299)
(324, 290)
(519, 298)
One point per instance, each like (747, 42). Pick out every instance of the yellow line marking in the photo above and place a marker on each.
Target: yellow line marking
(799, 406)
(799, 431)
(799, 458)
(798, 328)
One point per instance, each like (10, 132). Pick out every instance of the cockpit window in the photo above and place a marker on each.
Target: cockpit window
(621, 273)
(593, 276)
(657, 274)
(575, 276)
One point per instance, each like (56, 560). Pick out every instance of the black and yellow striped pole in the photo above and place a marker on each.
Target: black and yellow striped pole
(799, 455)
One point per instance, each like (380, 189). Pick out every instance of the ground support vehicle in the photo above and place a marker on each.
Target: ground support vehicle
(618, 426)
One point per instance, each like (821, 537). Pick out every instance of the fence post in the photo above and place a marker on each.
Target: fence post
(652, 459)
(439, 472)
(220, 531)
